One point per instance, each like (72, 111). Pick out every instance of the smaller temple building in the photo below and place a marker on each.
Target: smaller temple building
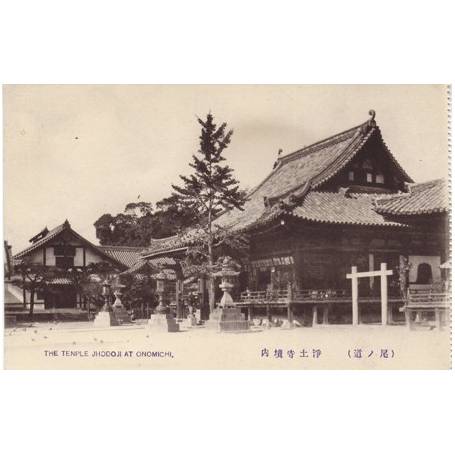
(60, 250)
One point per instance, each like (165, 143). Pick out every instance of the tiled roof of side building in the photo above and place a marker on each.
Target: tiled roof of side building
(172, 244)
(338, 208)
(153, 263)
(19, 257)
(332, 208)
(422, 198)
(309, 167)
(49, 236)
(127, 255)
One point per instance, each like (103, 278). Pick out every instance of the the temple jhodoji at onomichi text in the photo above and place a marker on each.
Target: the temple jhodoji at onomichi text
(340, 203)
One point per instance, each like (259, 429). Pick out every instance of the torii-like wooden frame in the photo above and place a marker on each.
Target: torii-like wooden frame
(354, 276)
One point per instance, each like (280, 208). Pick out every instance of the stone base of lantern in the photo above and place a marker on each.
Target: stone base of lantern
(105, 319)
(121, 315)
(228, 320)
(163, 323)
(287, 325)
(190, 321)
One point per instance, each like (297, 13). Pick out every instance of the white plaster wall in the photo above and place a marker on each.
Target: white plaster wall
(50, 258)
(79, 257)
(36, 257)
(17, 292)
(91, 256)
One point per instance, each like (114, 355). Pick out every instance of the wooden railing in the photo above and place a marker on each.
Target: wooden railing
(305, 296)
(428, 300)
(285, 296)
(424, 301)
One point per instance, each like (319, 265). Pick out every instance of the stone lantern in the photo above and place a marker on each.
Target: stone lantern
(228, 276)
(161, 279)
(106, 293)
(162, 320)
(227, 317)
(105, 317)
(120, 313)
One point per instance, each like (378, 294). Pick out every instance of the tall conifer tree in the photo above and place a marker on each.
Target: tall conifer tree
(211, 188)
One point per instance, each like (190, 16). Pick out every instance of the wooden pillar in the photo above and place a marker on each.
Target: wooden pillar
(355, 296)
(290, 297)
(250, 312)
(371, 268)
(383, 293)
(203, 303)
(315, 315)
(408, 318)
(389, 314)
(290, 315)
(24, 293)
(178, 300)
(325, 314)
(267, 310)
(418, 318)
(438, 318)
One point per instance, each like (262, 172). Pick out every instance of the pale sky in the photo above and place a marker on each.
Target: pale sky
(135, 140)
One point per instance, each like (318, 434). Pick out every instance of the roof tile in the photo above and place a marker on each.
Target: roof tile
(127, 255)
(423, 198)
(311, 166)
(338, 208)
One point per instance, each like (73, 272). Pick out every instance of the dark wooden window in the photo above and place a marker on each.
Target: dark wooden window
(64, 262)
(64, 250)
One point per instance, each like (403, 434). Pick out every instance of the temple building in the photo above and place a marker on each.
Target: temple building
(341, 204)
(62, 248)
(344, 201)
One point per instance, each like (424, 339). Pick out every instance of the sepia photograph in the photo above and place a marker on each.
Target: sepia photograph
(227, 227)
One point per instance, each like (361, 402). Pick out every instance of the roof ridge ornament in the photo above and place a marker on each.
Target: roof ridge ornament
(277, 161)
(372, 114)
(345, 191)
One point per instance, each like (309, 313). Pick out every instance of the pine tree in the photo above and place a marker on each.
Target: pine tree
(211, 188)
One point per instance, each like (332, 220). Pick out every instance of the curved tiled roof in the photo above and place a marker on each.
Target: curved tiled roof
(338, 208)
(306, 169)
(57, 231)
(422, 198)
(174, 243)
(154, 263)
(49, 236)
(293, 188)
(127, 255)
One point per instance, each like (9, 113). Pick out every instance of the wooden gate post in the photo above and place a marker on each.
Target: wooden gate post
(315, 315)
(355, 296)
(383, 293)
(354, 277)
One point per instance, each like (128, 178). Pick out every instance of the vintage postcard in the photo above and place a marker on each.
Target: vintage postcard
(227, 227)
